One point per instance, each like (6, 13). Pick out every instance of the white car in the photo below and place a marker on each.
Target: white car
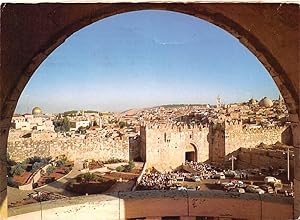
(270, 179)
(182, 188)
(196, 178)
(254, 189)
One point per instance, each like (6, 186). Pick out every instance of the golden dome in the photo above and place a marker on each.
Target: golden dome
(36, 111)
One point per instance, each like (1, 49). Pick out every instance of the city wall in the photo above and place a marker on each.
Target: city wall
(230, 136)
(75, 148)
(165, 145)
(162, 146)
(236, 136)
(253, 158)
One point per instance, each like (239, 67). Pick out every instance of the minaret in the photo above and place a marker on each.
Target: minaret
(218, 102)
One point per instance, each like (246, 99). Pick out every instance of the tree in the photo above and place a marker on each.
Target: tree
(37, 165)
(89, 177)
(66, 124)
(60, 163)
(50, 169)
(82, 130)
(122, 124)
(17, 170)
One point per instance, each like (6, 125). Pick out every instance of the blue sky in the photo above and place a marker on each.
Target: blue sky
(143, 59)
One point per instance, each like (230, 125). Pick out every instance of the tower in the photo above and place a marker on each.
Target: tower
(218, 102)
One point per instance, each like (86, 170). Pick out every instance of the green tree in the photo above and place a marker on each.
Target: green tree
(89, 177)
(50, 169)
(66, 124)
(122, 124)
(17, 170)
(82, 130)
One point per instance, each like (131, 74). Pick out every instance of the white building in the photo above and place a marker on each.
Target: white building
(74, 125)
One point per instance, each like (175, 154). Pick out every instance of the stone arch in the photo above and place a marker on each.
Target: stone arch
(216, 17)
(191, 152)
(269, 31)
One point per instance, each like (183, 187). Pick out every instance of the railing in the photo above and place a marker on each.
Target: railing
(138, 204)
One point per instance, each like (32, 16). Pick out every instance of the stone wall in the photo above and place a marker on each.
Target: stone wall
(216, 143)
(73, 147)
(156, 204)
(254, 158)
(166, 144)
(230, 136)
(134, 148)
(236, 136)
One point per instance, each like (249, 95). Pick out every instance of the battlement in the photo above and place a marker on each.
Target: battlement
(174, 127)
(249, 130)
(264, 129)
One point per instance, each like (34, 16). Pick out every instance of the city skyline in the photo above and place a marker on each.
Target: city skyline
(150, 58)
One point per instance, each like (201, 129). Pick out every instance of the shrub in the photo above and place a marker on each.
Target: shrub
(60, 163)
(120, 168)
(50, 169)
(17, 170)
(114, 160)
(87, 177)
(37, 165)
(131, 164)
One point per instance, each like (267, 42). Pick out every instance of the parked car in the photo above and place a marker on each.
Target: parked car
(182, 188)
(180, 178)
(267, 188)
(230, 173)
(196, 178)
(254, 189)
(270, 179)
(239, 190)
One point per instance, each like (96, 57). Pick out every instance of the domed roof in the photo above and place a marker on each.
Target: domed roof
(36, 111)
(266, 102)
(252, 101)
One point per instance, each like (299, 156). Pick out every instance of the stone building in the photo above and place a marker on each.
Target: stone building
(168, 146)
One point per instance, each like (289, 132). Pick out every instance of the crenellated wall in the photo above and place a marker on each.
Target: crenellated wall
(162, 146)
(253, 158)
(73, 147)
(166, 144)
(237, 136)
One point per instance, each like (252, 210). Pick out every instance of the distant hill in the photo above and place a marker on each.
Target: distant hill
(180, 105)
(75, 111)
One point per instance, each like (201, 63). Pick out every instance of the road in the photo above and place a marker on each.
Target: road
(59, 186)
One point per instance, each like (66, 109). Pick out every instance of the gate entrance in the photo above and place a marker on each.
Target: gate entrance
(190, 153)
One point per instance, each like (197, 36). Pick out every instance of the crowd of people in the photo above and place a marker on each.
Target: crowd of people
(156, 180)
(204, 170)
(162, 181)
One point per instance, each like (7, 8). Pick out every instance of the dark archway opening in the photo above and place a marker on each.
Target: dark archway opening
(190, 156)
(191, 153)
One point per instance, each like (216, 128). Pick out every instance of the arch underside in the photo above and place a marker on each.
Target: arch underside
(60, 28)
(29, 33)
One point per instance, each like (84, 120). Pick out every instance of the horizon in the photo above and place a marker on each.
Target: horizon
(141, 108)
(143, 59)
